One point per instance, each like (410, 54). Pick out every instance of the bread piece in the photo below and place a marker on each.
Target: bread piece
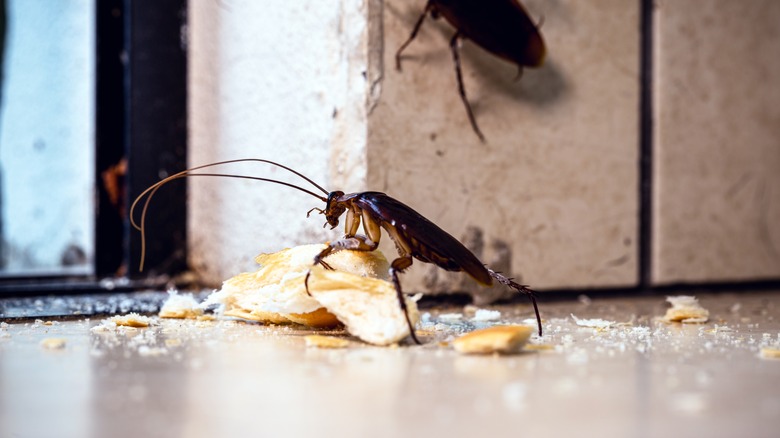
(355, 294)
(496, 339)
(686, 309)
(180, 306)
(368, 307)
(275, 294)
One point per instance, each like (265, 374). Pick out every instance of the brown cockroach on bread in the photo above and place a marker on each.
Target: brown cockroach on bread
(414, 236)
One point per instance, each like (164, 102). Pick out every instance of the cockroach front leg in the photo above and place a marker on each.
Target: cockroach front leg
(354, 243)
(399, 265)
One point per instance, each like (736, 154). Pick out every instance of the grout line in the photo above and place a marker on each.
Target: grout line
(645, 244)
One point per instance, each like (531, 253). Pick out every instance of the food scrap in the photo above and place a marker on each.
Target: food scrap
(686, 309)
(486, 315)
(131, 320)
(320, 341)
(368, 307)
(356, 294)
(53, 343)
(496, 339)
(770, 353)
(180, 306)
(596, 323)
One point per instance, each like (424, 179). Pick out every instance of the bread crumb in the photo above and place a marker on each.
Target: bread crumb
(486, 315)
(686, 309)
(53, 343)
(770, 353)
(450, 317)
(540, 347)
(320, 341)
(496, 339)
(131, 320)
(147, 351)
(173, 342)
(596, 323)
(180, 306)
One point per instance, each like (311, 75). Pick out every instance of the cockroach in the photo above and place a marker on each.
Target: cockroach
(415, 237)
(502, 27)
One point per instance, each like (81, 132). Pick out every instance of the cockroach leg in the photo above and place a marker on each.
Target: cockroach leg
(354, 243)
(416, 29)
(399, 265)
(461, 89)
(520, 288)
(318, 210)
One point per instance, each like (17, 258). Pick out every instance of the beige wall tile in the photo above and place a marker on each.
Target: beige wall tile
(717, 172)
(553, 192)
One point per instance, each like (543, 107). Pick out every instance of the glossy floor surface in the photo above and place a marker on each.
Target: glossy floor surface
(638, 377)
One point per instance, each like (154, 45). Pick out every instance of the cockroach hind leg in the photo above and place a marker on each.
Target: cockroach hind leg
(520, 288)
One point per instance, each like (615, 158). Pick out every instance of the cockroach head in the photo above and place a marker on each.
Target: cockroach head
(334, 209)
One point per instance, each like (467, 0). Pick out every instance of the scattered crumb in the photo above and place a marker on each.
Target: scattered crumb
(128, 323)
(172, 342)
(486, 315)
(540, 347)
(686, 309)
(131, 320)
(53, 343)
(532, 321)
(147, 351)
(597, 323)
(206, 318)
(104, 327)
(180, 306)
(770, 353)
(425, 332)
(320, 341)
(496, 339)
(450, 317)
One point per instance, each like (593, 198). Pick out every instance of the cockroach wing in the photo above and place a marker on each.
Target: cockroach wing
(428, 242)
(501, 27)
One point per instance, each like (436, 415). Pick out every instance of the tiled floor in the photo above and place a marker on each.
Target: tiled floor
(640, 377)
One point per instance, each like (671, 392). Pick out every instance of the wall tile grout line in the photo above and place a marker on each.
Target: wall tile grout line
(645, 248)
